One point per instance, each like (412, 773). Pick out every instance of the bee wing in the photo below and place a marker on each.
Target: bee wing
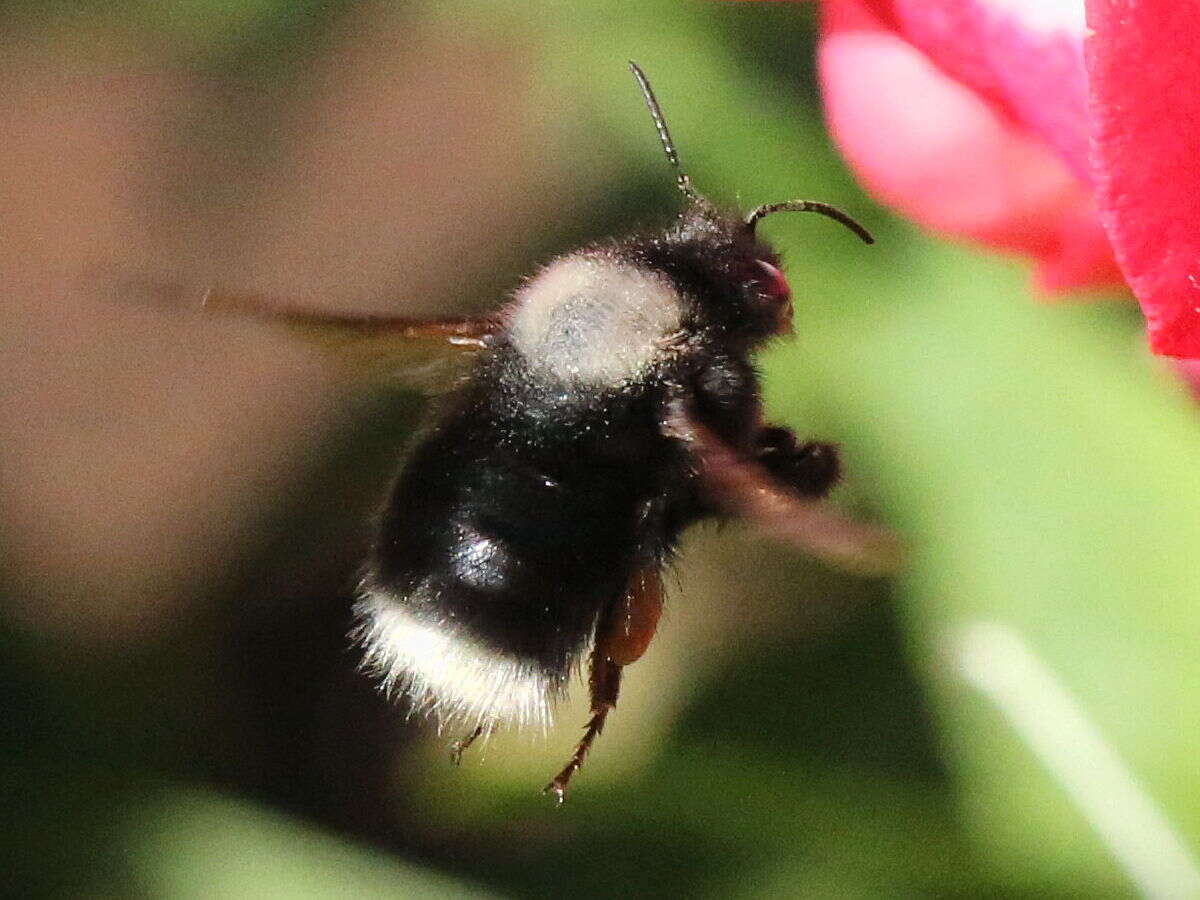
(410, 351)
(744, 488)
(377, 347)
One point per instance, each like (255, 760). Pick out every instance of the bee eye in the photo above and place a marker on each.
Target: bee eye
(770, 281)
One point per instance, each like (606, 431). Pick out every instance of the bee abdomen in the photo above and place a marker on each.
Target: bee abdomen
(445, 671)
(488, 577)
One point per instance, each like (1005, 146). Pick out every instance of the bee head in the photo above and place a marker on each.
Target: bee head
(738, 277)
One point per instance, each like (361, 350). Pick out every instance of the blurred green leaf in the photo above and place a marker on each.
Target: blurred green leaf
(193, 844)
(1046, 479)
(797, 772)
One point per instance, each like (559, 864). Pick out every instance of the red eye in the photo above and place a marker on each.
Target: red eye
(774, 285)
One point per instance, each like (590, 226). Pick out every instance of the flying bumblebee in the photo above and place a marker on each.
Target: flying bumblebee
(610, 404)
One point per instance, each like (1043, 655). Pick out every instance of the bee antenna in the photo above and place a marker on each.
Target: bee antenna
(809, 206)
(664, 134)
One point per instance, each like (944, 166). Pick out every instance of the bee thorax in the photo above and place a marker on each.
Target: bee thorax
(593, 320)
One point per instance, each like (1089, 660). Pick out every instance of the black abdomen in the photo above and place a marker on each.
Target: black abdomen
(516, 535)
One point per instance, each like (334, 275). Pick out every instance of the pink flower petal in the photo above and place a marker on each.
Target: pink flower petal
(1024, 56)
(946, 158)
(1144, 62)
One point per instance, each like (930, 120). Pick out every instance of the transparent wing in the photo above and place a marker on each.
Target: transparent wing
(413, 352)
(378, 347)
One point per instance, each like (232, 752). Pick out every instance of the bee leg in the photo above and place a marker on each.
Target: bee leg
(744, 487)
(605, 683)
(459, 747)
(811, 469)
(624, 633)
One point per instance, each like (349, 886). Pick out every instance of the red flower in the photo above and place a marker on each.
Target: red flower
(987, 119)
(1144, 62)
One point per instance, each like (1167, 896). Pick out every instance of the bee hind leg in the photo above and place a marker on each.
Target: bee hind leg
(624, 632)
(605, 682)
(460, 746)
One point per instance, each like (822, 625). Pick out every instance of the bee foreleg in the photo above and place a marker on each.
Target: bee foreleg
(811, 469)
(743, 487)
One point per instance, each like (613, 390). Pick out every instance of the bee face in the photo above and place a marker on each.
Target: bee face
(763, 304)
(734, 280)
